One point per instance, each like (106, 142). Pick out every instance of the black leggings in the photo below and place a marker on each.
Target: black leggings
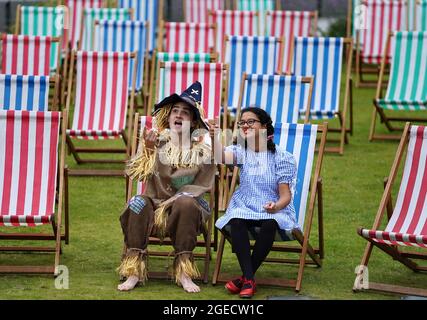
(241, 245)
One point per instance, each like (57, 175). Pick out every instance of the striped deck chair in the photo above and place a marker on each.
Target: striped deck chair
(421, 15)
(101, 100)
(197, 10)
(260, 6)
(146, 10)
(29, 93)
(90, 15)
(28, 55)
(186, 37)
(281, 96)
(29, 155)
(300, 140)
(287, 25)
(174, 57)
(407, 85)
(75, 8)
(147, 122)
(233, 22)
(251, 55)
(177, 76)
(382, 16)
(42, 21)
(323, 59)
(124, 36)
(407, 222)
(355, 20)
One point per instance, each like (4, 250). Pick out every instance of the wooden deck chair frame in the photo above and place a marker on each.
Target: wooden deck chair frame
(316, 254)
(225, 188)
(207, 243)
(53, 83)
(82, 21)
(56, 235)
(347, 105)
(152, 96)
(361, 68)
(162, 36)
(143, 91)
(75, 151)
(312, 33)
(404, 256)
(377, 110)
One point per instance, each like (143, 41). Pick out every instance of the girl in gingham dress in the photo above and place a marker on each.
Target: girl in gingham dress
(264, 197)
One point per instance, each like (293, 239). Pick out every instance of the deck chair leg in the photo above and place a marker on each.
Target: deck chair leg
(351, 106)
(218, 261)
(66, 207)
(373, 122)
(73, 151)
(320, 218)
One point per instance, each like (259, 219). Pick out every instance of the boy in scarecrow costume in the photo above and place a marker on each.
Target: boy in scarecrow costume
(175, 164)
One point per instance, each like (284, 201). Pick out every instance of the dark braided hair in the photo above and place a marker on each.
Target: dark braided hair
(265, 119)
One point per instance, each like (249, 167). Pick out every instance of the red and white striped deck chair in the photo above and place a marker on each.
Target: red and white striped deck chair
(75, 8)
(101, 100)
(233, 23)
(29, 155)
(407, 225)
(28, 55)
(177, 76)
(186, 37)
(382, 16)
(197, 10)
(287, 25)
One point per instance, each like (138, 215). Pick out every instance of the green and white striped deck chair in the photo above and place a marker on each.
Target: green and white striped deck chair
(42, 21)
(421, 15)
(261, 6)
(175, 57)
(407, 85)
(91, 14)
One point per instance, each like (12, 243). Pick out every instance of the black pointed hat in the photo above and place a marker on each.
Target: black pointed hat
(192, 96)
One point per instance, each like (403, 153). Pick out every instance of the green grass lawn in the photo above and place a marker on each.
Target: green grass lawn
(353, 186)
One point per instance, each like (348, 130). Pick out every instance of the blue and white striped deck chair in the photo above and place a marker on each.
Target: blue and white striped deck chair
(124, 36)
(250, 54)
(323, 58)
(90, 15)
(26, 93)
(300, 140)
(146, 10)
(421, 15)
(281, 96)
(407, 84)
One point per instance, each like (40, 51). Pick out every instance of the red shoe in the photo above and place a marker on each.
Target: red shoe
(248, 289)
(234, 286)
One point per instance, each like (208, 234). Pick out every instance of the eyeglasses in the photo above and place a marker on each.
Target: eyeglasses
(249, 122)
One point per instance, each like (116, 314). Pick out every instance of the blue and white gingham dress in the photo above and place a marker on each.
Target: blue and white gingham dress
(260, 176)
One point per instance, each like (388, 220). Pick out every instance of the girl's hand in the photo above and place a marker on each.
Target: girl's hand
(271, 207)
